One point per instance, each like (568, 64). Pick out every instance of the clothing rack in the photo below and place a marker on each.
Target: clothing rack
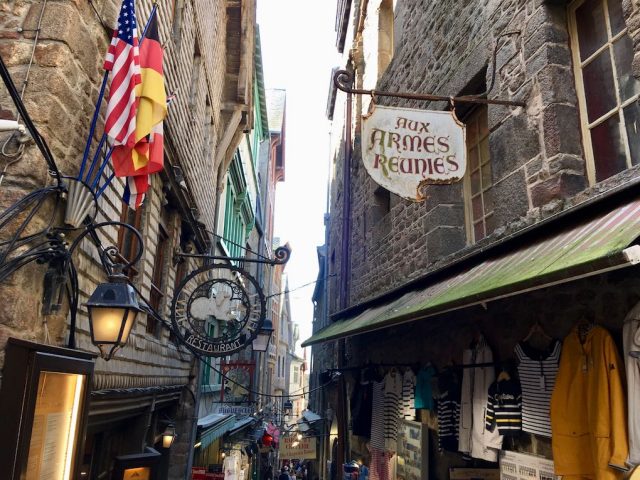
(411, 365)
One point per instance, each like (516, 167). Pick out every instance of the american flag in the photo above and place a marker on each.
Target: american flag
(123, 60)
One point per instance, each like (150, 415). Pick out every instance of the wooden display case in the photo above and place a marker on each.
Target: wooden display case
(44, 398)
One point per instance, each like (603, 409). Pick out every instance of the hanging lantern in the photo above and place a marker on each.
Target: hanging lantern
(267, 439)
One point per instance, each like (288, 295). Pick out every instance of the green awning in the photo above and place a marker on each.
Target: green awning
(604, 243)
(214, 426)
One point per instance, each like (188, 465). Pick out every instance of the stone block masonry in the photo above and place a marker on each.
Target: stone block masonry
(536, 154)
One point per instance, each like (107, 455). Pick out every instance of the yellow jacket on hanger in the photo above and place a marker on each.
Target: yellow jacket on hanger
(588, 409)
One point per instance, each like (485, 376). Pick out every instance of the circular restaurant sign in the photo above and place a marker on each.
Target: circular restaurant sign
(405, 149)
(218, 310)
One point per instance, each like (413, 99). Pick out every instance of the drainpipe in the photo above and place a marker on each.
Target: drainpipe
(345, 262)
(345, 272)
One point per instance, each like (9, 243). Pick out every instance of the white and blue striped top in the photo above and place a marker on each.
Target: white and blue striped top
(537, 370)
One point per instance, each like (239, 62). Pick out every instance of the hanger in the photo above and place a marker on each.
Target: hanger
(536, 328)
(504, 372)
(585, 324)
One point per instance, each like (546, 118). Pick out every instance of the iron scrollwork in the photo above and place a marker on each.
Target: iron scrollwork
(218, 310)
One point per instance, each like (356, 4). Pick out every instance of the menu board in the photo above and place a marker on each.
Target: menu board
(413, 451)
(55, 426)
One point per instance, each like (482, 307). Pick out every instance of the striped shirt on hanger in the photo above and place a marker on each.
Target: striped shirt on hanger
(504, 408)
(377, 420)
(392, 409)
(537, 370)
(448, 410)
(408, 395)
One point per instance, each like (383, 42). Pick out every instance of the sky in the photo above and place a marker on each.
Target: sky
(298, 53)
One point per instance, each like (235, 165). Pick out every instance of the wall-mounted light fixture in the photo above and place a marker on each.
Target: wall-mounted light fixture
(169, 436)
(113, 308)
(261, 342)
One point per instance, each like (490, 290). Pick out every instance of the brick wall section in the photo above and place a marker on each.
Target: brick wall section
(536, 151)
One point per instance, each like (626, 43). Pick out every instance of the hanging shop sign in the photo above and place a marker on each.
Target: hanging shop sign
(404, 149)
(305, 449)
(237, 380)
(218, 310)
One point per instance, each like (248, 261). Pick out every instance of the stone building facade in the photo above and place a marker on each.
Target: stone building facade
(59, 48)
(567, 153)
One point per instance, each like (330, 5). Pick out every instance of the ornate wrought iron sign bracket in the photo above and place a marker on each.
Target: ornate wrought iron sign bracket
(343, 80)
(281, 254)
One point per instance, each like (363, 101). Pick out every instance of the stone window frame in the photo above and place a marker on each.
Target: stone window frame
(386, 20)
(475, 116)
(578, 66)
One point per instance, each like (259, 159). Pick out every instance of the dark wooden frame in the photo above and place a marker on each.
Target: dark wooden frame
(24, 361)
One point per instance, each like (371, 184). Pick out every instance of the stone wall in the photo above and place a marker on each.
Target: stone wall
(538, 167)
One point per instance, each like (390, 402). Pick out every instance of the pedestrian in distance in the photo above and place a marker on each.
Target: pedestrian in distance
(284, 474)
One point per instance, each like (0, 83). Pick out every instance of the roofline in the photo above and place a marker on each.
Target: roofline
(600, 202)
(260, 80)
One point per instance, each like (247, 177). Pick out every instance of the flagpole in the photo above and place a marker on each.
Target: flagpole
(101, 169)
(106, 184)
(94, 120)
(95, 117)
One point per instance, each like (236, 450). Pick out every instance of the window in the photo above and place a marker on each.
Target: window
(196, 70)
(296, 372)
(385, 35)
(607, 90)
(238, 213)
(127, 241)
(157, 287)
(478, 180)
(177, 9)
(209, 375)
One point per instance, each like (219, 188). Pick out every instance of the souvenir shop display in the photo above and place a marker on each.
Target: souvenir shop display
(570, 394)
(408, 395)
(588, 407)
(391, 408)
(537, 369)
(413, 451)
(474, 439)
(631, 342)
(504, 407)
(361, 404)
(424, 392)
(448, 411)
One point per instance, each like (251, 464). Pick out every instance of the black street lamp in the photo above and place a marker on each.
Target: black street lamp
(261, 342)
(113, 308)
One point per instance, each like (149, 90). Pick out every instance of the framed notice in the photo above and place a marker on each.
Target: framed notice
(413, 451)
(42, 430)
(520, 466)
(55, 425)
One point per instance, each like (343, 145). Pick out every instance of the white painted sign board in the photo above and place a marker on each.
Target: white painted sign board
(405, 149)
